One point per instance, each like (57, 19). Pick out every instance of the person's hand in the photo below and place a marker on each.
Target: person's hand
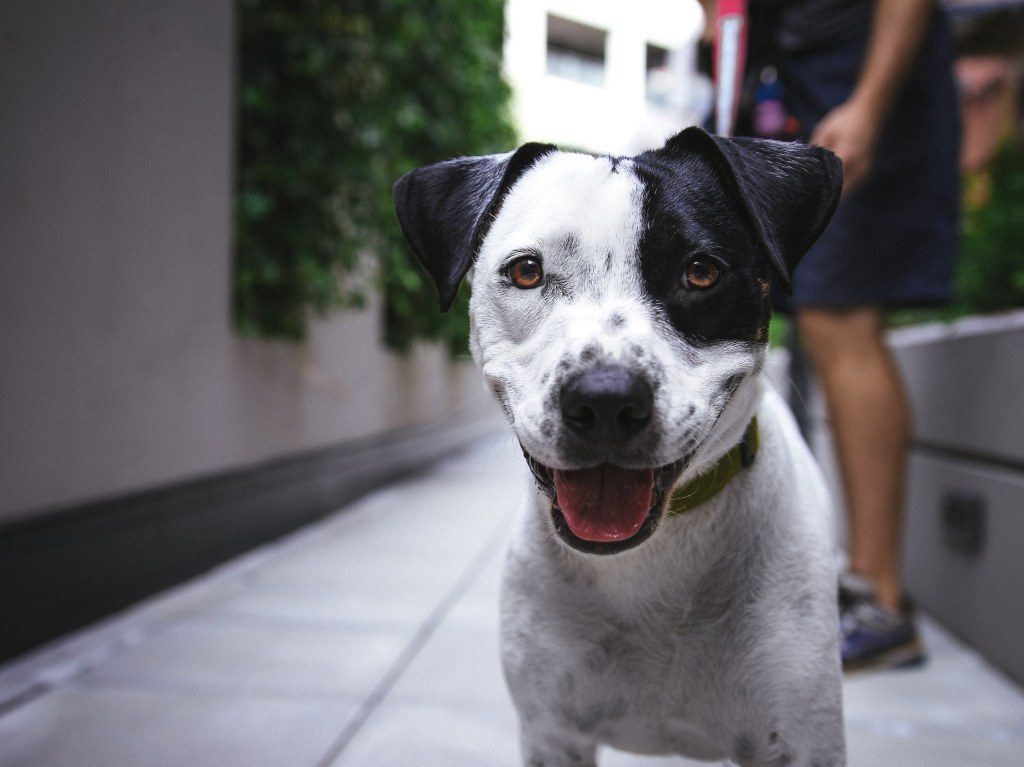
(851, 131)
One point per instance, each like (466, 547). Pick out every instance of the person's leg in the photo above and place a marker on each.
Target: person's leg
(871, 423)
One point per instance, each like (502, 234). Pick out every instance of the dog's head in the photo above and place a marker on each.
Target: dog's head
(620, 306)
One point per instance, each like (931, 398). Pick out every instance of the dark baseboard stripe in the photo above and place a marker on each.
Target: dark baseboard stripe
(957, 454)
(950, 452)
(67, 567)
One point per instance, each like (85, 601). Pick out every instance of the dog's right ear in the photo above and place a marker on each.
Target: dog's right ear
(789, 190)
(445, 210)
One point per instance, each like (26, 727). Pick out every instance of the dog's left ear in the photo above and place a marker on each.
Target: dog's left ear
(445, 210)
(789, 190)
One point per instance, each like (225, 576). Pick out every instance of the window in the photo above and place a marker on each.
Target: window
(659, 75)
(576, 51)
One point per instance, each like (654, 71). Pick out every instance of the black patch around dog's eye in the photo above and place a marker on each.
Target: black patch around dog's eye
(688, 218)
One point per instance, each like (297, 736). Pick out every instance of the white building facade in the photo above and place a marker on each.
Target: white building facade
(610, 77)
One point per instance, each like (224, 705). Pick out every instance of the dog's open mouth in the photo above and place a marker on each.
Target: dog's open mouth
(607, 508)
(605, 503)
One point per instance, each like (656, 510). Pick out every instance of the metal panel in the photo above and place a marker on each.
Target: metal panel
(979, 595)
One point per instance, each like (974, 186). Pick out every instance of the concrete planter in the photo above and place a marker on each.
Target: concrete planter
(964, 530)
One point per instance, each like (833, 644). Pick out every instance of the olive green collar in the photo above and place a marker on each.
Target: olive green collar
(708, 485)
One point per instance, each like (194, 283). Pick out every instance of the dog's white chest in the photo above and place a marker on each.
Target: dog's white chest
(679, 646)
(641, 689)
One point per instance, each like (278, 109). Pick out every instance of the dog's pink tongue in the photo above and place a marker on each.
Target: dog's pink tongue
(606, 503)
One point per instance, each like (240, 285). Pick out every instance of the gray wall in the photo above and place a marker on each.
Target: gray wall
(119, 368)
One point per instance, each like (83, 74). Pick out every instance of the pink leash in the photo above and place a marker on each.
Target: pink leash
(730, 57)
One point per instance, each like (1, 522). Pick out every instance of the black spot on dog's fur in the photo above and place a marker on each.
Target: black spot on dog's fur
(587, 719)
(500, 393)
(614, 322)
(613, 648)
(732, 384)
(804, 603)
(746, 751)
(743, 749)
(569, 245)
(573, 756)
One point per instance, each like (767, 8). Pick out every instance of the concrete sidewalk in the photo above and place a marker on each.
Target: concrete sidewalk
(370, 640)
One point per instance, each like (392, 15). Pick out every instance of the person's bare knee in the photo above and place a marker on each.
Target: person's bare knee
(837, 335)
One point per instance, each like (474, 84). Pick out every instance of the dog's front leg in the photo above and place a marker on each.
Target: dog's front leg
(544, 748)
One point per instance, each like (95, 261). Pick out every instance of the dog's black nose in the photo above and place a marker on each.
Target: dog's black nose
(607, 403)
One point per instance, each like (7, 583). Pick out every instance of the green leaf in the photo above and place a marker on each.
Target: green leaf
(337, 99)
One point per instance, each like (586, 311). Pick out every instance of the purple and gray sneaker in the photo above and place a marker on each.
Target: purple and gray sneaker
(872, 636)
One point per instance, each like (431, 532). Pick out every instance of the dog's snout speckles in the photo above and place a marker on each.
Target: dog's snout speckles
(615, 322)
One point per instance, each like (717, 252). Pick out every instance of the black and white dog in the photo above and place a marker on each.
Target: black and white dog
(670, 585)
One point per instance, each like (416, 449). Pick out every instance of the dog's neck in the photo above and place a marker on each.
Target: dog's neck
(728, 432)
(703, 488)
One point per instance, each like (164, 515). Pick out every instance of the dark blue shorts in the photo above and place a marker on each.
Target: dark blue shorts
(892, 242)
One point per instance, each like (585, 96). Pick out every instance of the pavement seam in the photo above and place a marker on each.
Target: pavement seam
(415, 645)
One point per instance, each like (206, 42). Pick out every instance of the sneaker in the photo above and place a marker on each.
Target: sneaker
(872, 636)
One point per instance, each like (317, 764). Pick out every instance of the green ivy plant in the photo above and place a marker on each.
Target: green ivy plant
(338, 98)
(990, 261)
(990, 273)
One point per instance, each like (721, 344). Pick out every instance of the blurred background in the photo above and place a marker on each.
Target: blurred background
(211, 326)
(211, 333)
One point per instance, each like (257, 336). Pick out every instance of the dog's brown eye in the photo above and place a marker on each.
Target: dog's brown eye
(526, 272)
(701, 274)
